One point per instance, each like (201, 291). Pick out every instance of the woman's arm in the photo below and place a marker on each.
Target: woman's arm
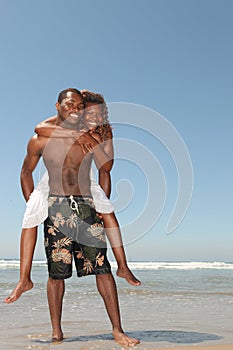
(48, 128)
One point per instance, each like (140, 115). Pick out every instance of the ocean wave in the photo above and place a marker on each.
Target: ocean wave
(10, 264)
(4, 264)
(178, 265)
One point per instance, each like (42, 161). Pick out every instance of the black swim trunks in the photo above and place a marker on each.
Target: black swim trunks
(73, 229)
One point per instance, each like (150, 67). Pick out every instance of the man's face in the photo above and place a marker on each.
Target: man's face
(70, 110)
(93, 115)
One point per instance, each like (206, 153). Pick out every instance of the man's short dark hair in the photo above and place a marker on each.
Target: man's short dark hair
(63, 93)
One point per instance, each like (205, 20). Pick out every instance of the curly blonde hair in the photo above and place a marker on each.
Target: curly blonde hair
(105, 129)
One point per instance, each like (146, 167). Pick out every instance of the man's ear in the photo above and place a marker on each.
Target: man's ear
(57, 105)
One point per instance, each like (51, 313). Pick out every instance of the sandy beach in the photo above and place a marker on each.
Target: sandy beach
(211, 347)
(177, 307)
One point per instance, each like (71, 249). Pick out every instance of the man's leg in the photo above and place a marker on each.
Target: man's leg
(114, 236)
(55, 293)
(107, 289)
(27, 247)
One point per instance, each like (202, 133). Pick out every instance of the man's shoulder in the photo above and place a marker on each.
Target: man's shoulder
(37, 141)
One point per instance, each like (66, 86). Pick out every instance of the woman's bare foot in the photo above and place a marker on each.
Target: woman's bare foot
(18, 291)
(125, 272)
(123, 339)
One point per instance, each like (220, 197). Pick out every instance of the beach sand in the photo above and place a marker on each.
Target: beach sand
(207, 347)
(160, 318)
(27, 327)
(20, 338)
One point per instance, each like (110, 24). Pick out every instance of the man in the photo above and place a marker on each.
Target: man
(71, 208)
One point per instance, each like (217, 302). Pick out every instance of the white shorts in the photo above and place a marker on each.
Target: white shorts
(37, 205)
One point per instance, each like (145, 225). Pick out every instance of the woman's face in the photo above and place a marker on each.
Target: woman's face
(93, 115)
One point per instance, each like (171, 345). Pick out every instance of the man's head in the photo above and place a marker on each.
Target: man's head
(70, 108)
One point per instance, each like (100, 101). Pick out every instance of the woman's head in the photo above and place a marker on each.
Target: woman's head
(96, 113)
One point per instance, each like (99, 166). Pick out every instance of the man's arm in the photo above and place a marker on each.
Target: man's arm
(105, 176)
(93, 143)
(105, 182)
(34, 152)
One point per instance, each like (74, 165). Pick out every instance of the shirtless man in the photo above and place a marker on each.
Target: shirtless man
(71, 208)
(96, 120)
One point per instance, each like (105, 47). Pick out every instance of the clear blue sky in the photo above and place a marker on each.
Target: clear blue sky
(174, 57)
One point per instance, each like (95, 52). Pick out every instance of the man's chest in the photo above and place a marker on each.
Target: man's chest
(64, 153)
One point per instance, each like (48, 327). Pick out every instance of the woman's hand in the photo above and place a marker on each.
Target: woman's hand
(88, 142)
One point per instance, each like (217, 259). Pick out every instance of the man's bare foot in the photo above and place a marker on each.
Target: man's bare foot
(18, 291)
(57, 340)
(123, 339)
(58, 337)
(125, 272)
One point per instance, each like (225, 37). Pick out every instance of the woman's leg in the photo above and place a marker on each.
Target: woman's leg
(114, 236)
(27, 247)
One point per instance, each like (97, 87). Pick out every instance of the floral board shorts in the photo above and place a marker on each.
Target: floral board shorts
(73, 230)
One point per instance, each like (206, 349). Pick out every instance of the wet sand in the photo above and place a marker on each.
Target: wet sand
(161, 320)
(207, 347)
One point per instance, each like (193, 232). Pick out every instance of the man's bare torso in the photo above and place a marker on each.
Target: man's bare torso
(68, 167)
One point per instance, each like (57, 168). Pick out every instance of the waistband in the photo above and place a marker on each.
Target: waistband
(53, 198)
(74, 202)
(70, 196)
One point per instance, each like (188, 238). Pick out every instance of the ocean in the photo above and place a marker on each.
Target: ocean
(178, 303)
